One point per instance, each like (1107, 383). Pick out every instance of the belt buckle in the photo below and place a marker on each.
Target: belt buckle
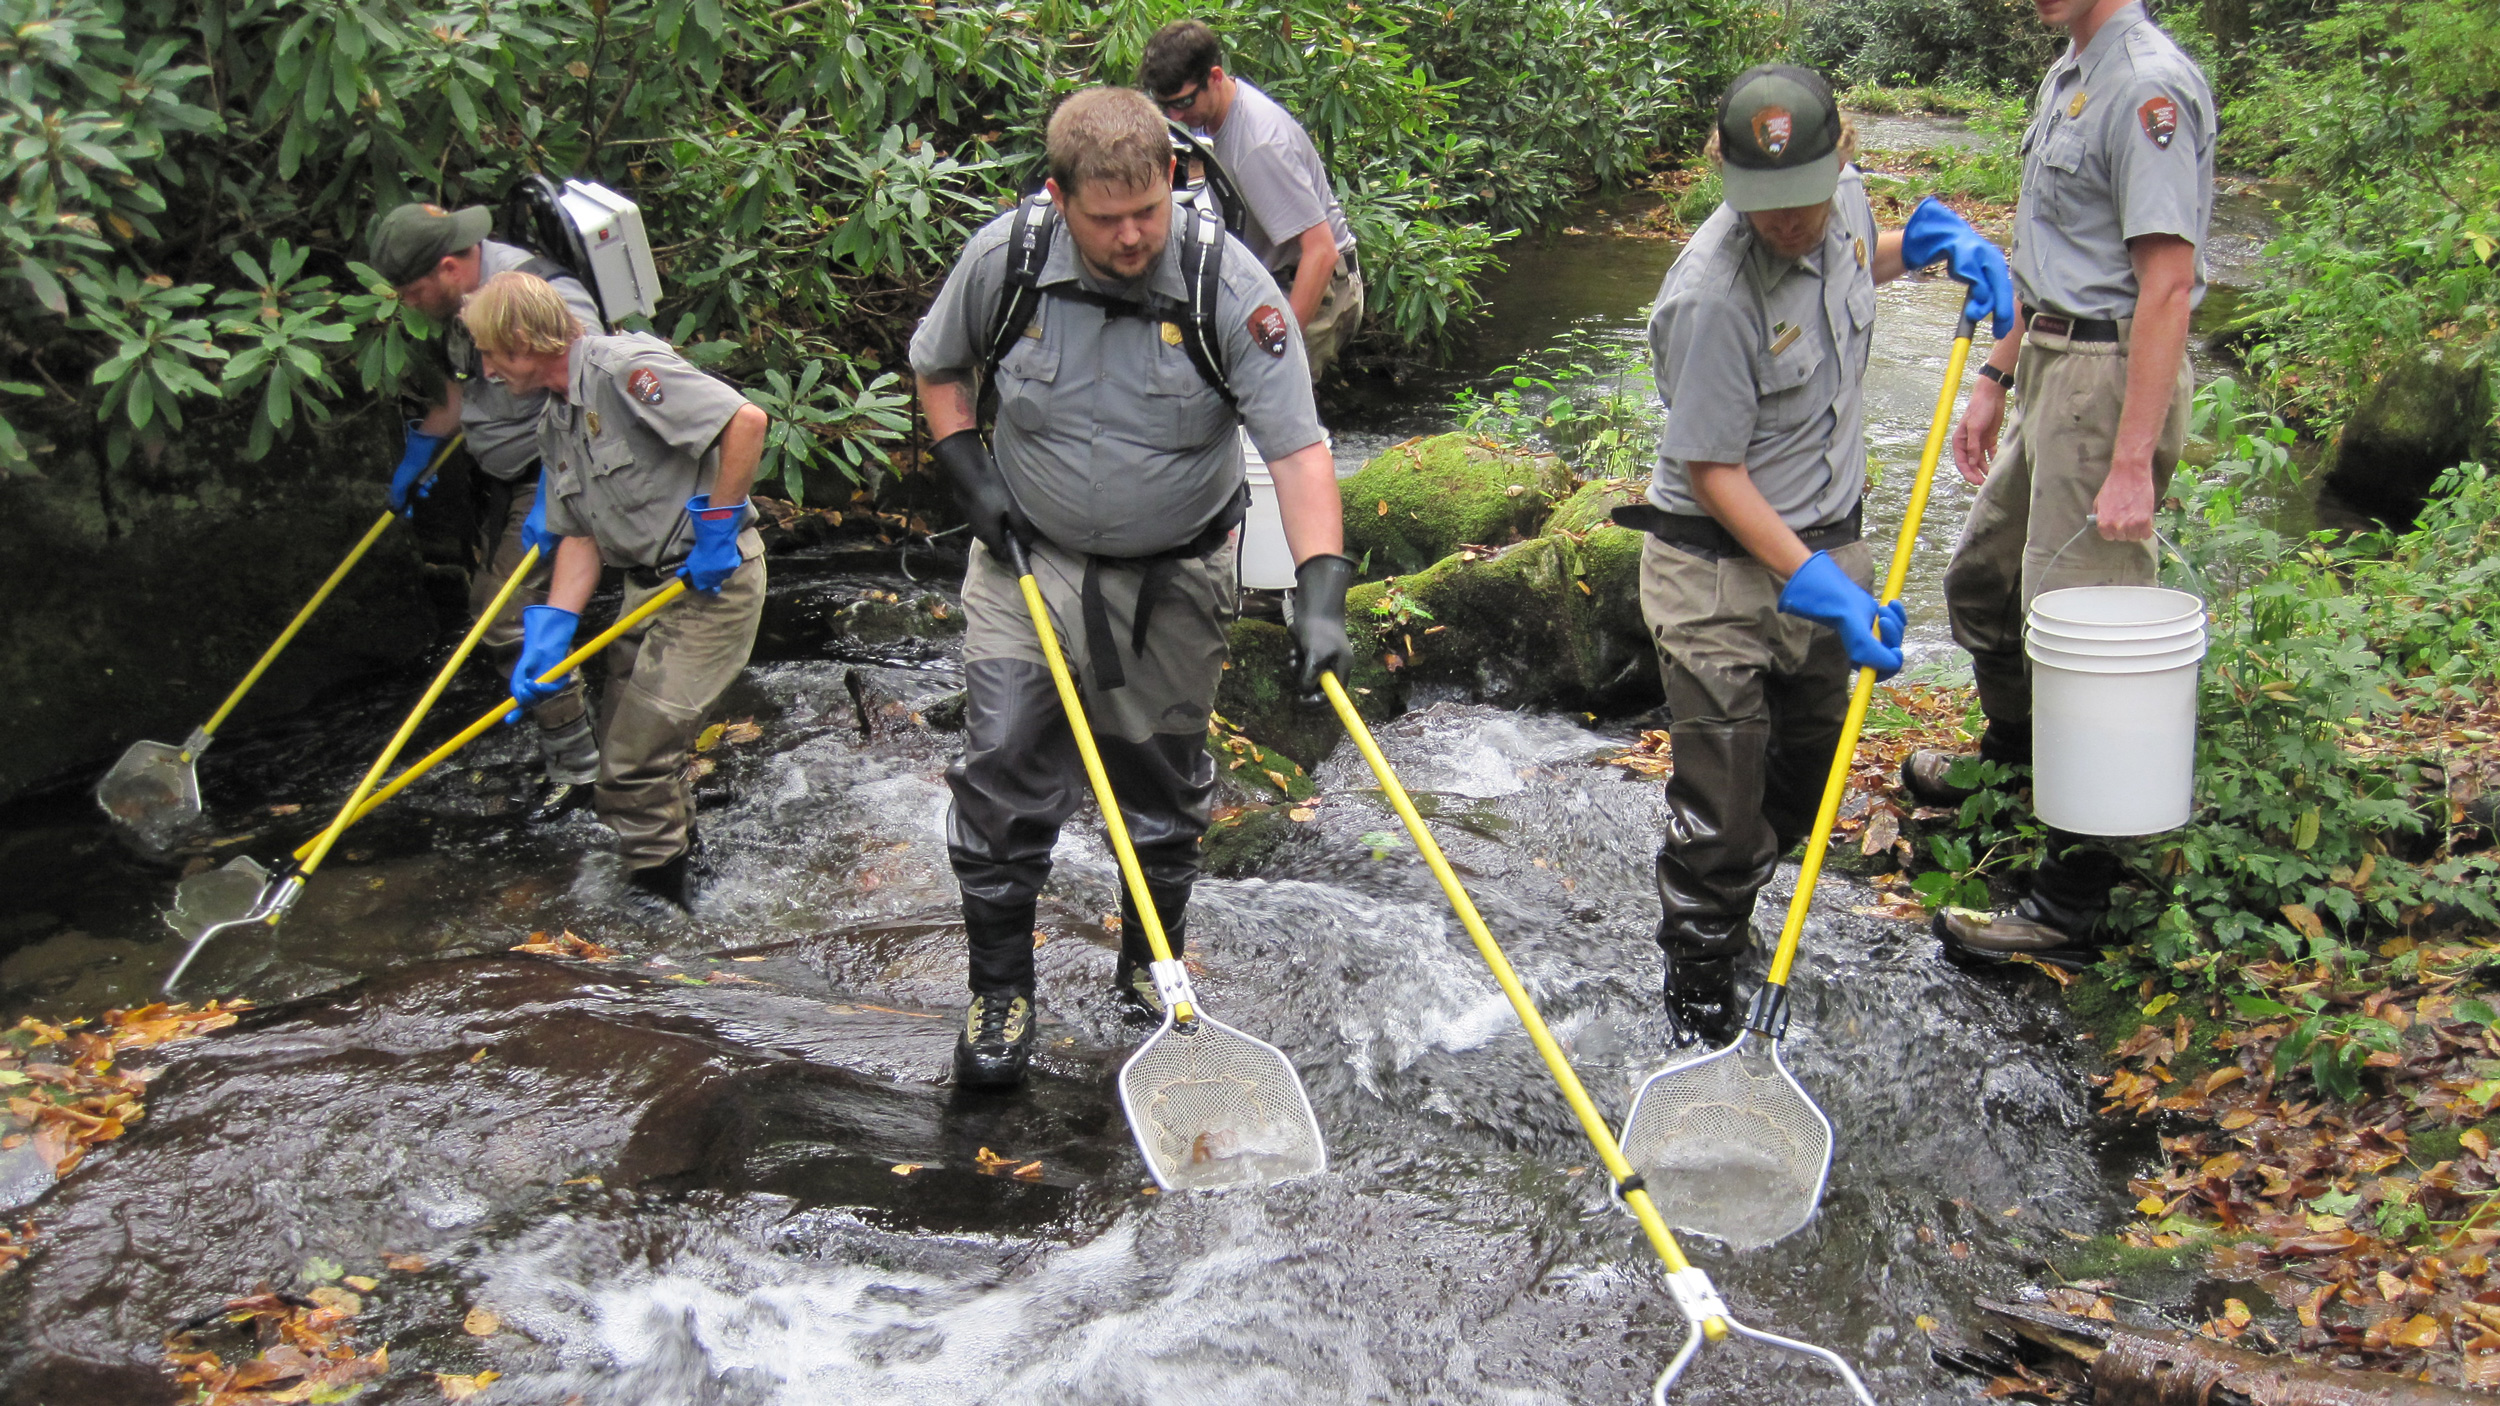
(2052, 324)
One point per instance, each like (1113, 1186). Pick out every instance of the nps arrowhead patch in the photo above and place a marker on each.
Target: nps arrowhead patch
(644, 385)
(2160, 117)
(1268, 329)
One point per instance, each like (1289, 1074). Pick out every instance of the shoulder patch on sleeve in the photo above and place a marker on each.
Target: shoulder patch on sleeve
(2159, 116)
(1267, 328)
(644, 385)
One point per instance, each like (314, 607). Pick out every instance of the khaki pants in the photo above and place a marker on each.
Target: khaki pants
(2039, 490)
(1338, 317)
(499, 550)
(1757, 699)
(1021, 777)
(662, 677)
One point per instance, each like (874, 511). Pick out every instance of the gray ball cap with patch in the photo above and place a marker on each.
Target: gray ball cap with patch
(408, 242)
(1779, 139)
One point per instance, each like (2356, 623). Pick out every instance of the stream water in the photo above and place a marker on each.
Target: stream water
(725, 1167)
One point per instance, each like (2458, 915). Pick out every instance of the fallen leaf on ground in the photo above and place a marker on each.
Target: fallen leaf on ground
(565, 944)
(481, 1322)
(404, 1264)
(462, 1388)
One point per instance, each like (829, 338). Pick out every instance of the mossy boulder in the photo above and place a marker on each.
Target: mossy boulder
(1588, 506)
(2428, 413)
(1551, 622)
(1257, 695)
(1422, 500)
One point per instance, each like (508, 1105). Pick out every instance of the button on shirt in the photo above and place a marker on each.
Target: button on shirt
(629, 443)
(1279, 175)
(501, 426)
(2122, 145)
(1762, 362)
(1109, 440)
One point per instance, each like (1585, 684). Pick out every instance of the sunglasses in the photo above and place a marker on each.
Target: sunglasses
(1181, 101)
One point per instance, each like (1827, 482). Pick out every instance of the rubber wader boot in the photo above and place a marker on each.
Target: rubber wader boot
(1923, 775)
(1701, 1000)
(996, 1042)
(671, 883)
(572, 757)
(1140, 1004)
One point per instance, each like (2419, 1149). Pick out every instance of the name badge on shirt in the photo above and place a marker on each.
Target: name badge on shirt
(1783, 336)
(594, 421)
(2075, 108)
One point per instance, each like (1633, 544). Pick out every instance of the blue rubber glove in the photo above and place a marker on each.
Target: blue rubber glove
(414, 460)
(1935, 232)
(1822, 592)
(715, 556)
(534, 531)
(546, 637)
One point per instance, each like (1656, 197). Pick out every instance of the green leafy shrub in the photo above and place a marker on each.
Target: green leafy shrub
(1997, 44)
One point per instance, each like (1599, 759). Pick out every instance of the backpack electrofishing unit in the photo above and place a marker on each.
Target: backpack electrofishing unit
(590, 232)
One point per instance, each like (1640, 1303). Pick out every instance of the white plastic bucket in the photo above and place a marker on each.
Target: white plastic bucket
(1266, 562)
(2113, 708)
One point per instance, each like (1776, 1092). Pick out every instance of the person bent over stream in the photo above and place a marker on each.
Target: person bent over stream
(1117, 464)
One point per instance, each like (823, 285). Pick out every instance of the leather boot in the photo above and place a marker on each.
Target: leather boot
(1702, 1007)
(1924, 776)
(571, 753)
(996, 1041)
(1141, 1004)
(2059, 922)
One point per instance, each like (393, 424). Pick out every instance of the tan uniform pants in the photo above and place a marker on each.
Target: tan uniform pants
(2039, 491)
(1757, 699)
(499, 550)
(662, 677)
(1334, 323)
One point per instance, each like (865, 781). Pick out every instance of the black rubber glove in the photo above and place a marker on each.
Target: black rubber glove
(1319, 642)
(979, 490)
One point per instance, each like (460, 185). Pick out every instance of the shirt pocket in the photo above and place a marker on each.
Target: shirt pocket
(1182, 405)
(2061, 163)
(1025, 377)
(1784, 381)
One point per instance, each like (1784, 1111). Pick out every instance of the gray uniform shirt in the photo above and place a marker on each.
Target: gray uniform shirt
(2122, 145)
(502, 427)
(630, 441)
(1278, 171)
(1107, 436)
(1762, 362)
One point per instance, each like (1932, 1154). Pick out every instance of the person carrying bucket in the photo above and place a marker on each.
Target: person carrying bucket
(436, 258)
(647, 460)
(1117, 465)
(2108, 264)
(1754, 581)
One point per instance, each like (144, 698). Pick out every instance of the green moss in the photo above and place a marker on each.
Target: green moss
(2108, 1257)
(1240, 844)
(1426, 498)
(1257, 694)
(1548, 622)
(2428, 1147)
(2113, 1014)
(1586, 509)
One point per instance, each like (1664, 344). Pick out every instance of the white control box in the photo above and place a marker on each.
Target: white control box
(610, 227)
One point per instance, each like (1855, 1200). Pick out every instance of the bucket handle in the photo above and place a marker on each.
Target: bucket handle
(2204, 588)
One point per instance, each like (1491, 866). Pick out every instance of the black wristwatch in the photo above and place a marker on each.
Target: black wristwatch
(2002, 378)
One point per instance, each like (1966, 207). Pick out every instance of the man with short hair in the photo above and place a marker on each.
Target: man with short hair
(1118, 468)
(1295, 225)
(647, 460)
(2117, 192)
(1754, 580)
(435, 258)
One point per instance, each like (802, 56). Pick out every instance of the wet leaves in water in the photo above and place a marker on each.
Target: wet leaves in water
(993, 1165)
(566, 945)
(456, 1388)
(304, 1352)
(481, 1322)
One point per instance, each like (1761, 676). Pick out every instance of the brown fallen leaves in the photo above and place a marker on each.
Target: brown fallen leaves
(565, 944)
(302, 1352)
(63, 1092)
(993, 1165)
(2375, 1222)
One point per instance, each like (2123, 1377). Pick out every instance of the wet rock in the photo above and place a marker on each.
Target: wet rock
(2428, 413)
(1552, 622)
(1258, 695)
(886, 700)
(885, 617)
(1424, 499)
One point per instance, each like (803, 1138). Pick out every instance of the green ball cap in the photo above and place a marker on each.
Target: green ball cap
(1779, 139)
(408, 242)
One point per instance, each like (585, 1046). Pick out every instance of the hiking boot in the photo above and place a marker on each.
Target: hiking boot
(996, 1041)
(1141, 1005)
(1989, 939)
(1701, 1001)
(671, 883)
(557, 799)
(1923, 776)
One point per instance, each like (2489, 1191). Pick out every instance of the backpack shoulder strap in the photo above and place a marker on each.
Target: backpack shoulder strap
(1028, 248)
(1202, 269)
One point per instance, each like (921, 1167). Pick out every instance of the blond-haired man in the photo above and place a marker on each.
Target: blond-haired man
(1118, 467)
(647, 465)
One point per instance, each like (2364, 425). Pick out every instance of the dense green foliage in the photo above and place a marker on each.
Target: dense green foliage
(191, 184)
(1996, 44)
(2383, 113)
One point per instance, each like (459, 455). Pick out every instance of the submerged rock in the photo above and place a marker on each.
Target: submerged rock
(1424, 499)
(1258, 695)
(2428, 413)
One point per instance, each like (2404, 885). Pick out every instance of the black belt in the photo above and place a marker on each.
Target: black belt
(2073, 329)
(1159, 568)
(1704, 537)
(651, 578)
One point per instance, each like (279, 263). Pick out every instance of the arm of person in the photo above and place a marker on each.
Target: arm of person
(946, 399)
(1888, 265)
(1728, 494)
(1308, 498)
(741, 449)
(1975, 438)
(1310, 280)
(440, 420)
(2165, 278)
(576, 574)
